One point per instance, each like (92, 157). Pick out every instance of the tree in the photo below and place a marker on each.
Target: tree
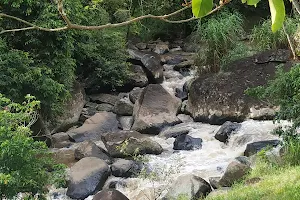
(24, 163)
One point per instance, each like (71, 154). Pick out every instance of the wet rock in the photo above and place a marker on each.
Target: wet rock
(105, 107)
(126, 143)
(87, 176)
(186, 142)
(175, 131)
(221, 97)
(185, 118)
(255, 147)
(235, 171)
(141, 46)
(184, 65)
(93, 127)
(112, 182)
(151, 64)
(138, 77)
(190, 186)
(90, 149)
(214, 182)
(134, 94)
(104, 98)
(179, 93)
(123, 107)
(226, 130)
(161, 48)
(154, 110)
(125, 122)
(110, 194)
(60, 140)
(124, 168)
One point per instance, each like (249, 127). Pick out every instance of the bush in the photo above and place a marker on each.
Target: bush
(263, 37)
(24, 163)
(220, 33)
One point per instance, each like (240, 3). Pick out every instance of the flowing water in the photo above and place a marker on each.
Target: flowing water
(210, 161)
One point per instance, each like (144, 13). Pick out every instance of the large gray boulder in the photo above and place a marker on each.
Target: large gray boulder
(255, 147)
(226, 130)
(190, 186)
(221, 97)
(93, 127)
(90, 149)
(86, 177)
(186, 142)
(151, 64)
(154, 110)
(235, 171)
(110, 194)
(129, 143)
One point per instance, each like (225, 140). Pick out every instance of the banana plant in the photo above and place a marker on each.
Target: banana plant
(202, 8)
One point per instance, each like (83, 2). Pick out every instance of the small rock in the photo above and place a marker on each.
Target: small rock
(90, 149)
(124, 168)
(214, 182)
(123, 107)
(134, 94)
(226, 130)
(141, 46)
(105, 107)
(60, 140)
(185, 118)
(161, 48)
(111, 194)
(186, 142)
(125, 122)
(64, 156)
(184, 64)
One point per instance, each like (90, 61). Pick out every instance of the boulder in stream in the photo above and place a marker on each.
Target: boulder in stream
(255, 147)
(93, 127)
(124, 168)
(128, 143)
(154, 110)
(189, 186)
(110, 194)
(226, 130)
(186, 142)
(86, 177)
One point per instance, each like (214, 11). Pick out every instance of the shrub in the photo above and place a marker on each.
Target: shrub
(264, 39)
(24, 163)
(220, 32)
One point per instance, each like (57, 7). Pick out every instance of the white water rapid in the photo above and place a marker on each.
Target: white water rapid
(210, 161)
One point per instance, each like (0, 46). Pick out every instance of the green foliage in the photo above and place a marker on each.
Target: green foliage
(24, 163)
(263, 38)
(241, 50)
(220, 32)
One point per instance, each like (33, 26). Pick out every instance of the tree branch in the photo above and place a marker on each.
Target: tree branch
(70, 25)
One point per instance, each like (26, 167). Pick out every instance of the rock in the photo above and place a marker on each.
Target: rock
(93, 127)
(161, 48)
(181, 94)
(124, 168)
(60, 140)
(141, 46)
(64, 156)
(104, 98)
(86, 177)
(235, 171)
(105, 107)
(154, 110)
(130, 141)
(221, 97)
(151, 64)
(189, 186)
(111, 194)
(186, 142)
(214, 182)
(134, 94)
(177, 130)
(184, 65)
(275, 155)
(125, 122)
(123, 107)
(90, 149)
(138, 77)
(255, 147)
(185, 118)
(226, 130)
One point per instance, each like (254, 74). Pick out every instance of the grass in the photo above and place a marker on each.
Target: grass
(279, 184)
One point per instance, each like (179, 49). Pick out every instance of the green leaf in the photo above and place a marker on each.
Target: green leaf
(277, 9)
(251, 2)
(200, 8)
